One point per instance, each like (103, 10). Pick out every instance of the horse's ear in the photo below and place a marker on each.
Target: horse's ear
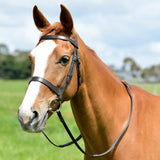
(40, 21)
(66, 19)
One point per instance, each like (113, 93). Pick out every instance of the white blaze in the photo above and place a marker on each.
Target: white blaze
(41, 54)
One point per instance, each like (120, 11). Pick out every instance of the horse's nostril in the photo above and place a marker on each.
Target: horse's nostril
(34, 115)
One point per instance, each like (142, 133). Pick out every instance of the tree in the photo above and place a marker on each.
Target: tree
(4, 49)
(152, 73)
(14, 66)
(130, 65)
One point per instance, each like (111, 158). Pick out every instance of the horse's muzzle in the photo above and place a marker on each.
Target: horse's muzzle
(32, 123)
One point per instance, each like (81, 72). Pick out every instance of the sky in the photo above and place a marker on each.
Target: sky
(115, 29)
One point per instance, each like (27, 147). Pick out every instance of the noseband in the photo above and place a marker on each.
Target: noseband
(60, 92)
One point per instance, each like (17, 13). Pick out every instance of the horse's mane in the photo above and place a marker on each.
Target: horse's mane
(94, 54)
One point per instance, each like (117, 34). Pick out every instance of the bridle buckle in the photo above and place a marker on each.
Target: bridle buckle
(50, 109)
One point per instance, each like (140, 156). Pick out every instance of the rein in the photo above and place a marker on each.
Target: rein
(59, 93)
(75, 140)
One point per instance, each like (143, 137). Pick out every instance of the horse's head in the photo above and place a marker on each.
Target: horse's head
(51, 60)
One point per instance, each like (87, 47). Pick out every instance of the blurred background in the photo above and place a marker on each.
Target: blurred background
(125, 34)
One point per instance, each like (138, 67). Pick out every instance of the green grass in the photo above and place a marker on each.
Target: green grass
(150, 87)
(16, 144)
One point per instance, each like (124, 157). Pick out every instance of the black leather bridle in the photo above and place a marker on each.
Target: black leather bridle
(75, 60)
(60, 92)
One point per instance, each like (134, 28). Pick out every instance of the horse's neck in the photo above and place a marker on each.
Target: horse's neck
(97, 106)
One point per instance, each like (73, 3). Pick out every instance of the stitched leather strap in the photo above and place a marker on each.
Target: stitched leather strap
(50, 37)
(47, 83)
(62, 145)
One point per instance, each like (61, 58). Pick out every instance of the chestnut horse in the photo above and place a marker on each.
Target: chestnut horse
(101, 104)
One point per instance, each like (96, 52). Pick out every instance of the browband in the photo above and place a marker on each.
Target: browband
(63, 38)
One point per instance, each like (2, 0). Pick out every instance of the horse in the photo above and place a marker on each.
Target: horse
(99, 100)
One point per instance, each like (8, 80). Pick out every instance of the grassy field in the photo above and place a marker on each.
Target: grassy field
(150, 87)
(16, 144)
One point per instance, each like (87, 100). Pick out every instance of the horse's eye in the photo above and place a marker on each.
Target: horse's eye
(52, 30)
(64, 60)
